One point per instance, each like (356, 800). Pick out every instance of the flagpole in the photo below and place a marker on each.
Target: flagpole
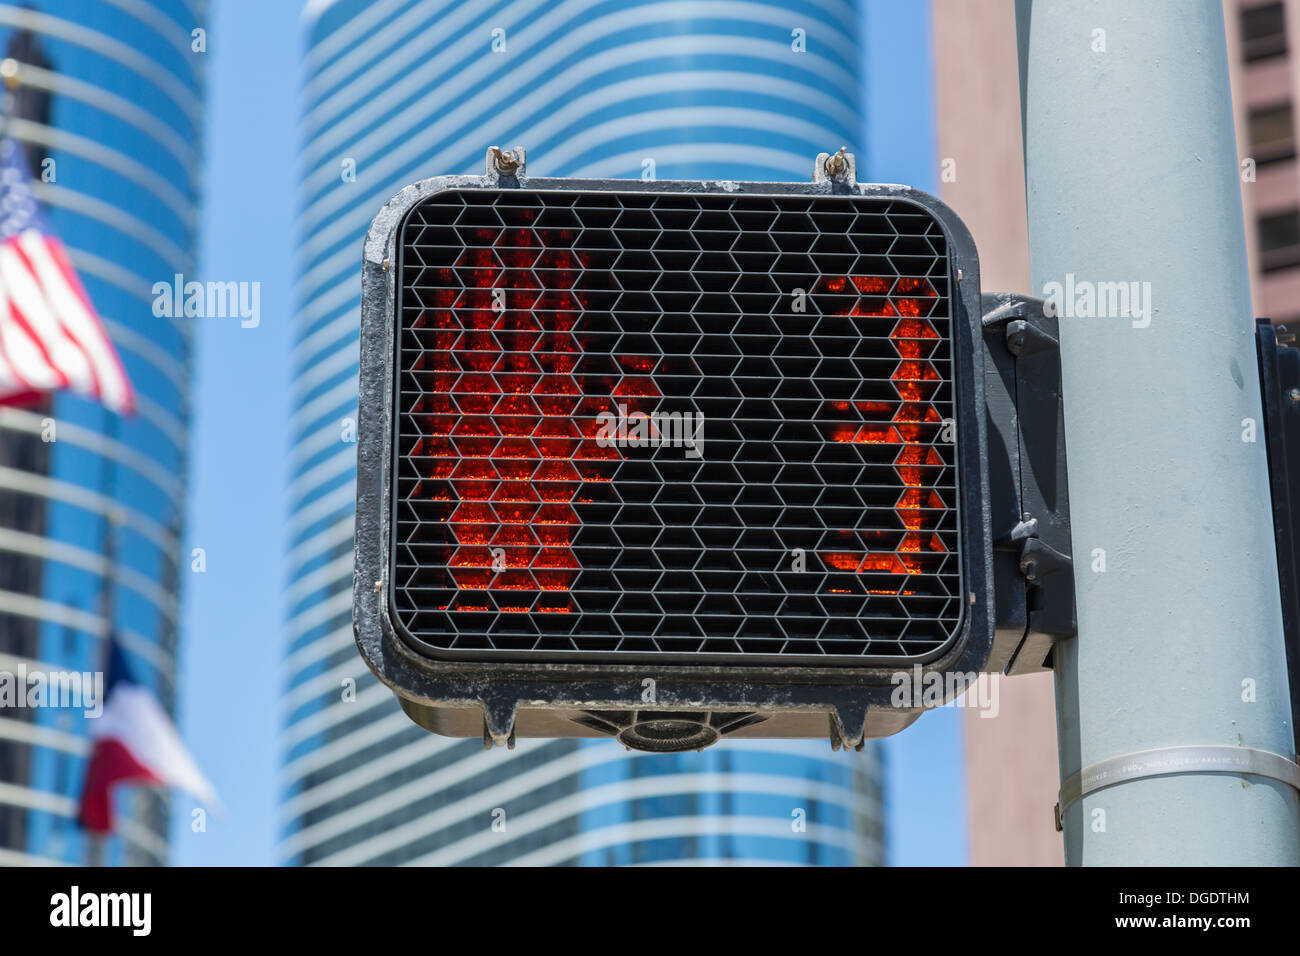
(114, 518)
(10, 71)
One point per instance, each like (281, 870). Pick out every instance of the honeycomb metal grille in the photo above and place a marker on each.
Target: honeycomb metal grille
(546, 499)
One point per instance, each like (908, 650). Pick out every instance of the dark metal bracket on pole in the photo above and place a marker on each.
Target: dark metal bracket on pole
(1279, 382)
(1031, 503)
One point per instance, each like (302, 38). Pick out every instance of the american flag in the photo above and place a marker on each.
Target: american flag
(50, 336)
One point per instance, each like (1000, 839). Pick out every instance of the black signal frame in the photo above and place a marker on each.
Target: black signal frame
(537, 695)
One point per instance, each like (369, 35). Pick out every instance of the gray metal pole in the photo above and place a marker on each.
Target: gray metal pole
(1132, 177)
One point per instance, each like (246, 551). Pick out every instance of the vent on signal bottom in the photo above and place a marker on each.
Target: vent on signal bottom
(659, 731)
(639, 425)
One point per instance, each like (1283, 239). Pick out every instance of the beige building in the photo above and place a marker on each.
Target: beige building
(1011, 762)
(1265, 82)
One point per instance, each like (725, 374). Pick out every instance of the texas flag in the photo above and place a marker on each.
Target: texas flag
(134, 741)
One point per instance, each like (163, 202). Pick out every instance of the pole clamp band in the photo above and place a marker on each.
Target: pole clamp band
(1165, 761)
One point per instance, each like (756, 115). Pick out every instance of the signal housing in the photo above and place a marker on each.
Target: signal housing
(471, 646)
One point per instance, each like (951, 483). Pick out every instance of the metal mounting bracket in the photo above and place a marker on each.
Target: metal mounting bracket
(1031, 510)
(1025, 339)
(1038, 560)
(499, 723)
(847, 728)
(1279, 382)
(1164, 761)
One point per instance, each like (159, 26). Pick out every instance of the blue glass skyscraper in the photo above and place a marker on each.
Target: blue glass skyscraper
(399, 90)
(109, 112)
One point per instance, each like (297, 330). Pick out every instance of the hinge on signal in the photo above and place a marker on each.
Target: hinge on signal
(1031, 501)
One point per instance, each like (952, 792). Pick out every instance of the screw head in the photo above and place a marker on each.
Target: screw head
(505, 163)
(837, 163)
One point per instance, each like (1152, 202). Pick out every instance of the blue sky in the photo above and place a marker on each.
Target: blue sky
(230, 667)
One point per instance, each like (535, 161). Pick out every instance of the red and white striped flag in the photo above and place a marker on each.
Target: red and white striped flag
(50, 336)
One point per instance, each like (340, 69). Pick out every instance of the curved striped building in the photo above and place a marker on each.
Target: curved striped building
(110, 114)
(398, 90)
